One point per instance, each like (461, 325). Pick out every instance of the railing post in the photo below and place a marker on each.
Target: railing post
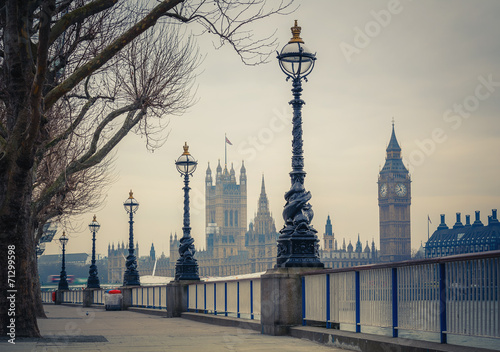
(303, 281)
(187, 298)
(251, 299)
(442, 301)
(394, 302)
(225, 299)
(358, 301)
(238, 299)
(205, 298)
(215, 298)
(196, 298)
(328, 323)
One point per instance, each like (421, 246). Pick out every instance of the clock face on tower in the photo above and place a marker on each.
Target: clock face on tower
(383, 190)
(400, 190)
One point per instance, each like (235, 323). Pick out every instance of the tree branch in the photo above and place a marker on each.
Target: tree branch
(77, 15)
(89, 159)
(107, 53)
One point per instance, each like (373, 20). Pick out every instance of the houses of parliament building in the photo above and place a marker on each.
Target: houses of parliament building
(231, 249)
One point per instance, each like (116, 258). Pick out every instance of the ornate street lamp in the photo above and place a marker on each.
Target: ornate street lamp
(63, 283)
(93, 280)
(186, 267)
(131, 276)
(297, 243)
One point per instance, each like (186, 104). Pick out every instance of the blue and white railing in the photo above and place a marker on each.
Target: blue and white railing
(149, 297)
(456, 295)
(238, 298)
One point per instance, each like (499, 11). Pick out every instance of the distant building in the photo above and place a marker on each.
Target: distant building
(230, 249)
(260, 240)
(346, 256)
(464, 238)
(394, 199)
(116, 261)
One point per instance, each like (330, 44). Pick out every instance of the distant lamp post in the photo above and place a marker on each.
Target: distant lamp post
(186, 267)
(63, 282)
(131, 276)
(297, 243)
(93, 280)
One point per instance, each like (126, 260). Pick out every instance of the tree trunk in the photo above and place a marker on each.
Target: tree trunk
(37, 290)
(17, 252)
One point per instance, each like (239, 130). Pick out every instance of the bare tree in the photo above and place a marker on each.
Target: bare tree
(76, 77)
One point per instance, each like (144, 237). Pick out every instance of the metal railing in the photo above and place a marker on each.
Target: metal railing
(98, 296)
(73, 296)
(47, 296)
(235, 298)
(149, 297)
(456, 295)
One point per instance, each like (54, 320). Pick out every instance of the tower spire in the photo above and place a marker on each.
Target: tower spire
(393, 143)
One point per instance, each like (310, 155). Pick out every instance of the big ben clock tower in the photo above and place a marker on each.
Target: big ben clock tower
(394, 199)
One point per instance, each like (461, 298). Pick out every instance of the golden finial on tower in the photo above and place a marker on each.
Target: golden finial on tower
(186, 148)
(296, 34)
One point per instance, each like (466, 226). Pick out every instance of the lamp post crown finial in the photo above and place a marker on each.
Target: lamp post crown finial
(94, 220)
(130, 195)
(186, 149)
(296, 34)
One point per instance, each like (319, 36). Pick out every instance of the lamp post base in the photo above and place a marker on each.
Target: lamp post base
(63, 286)
(93, 282)
(298, 252)
(186, 271)
(131, 278)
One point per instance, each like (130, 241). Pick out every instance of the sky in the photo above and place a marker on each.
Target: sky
(432, 66)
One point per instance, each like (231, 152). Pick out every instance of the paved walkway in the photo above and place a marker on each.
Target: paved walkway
(69, 328)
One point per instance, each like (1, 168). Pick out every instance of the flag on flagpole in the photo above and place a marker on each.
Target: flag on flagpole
(429, 219)
(228, 141)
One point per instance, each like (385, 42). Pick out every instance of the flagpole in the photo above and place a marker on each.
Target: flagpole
(225, 150)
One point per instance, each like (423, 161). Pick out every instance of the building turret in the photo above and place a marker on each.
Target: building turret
(152, 253)
(263, 201)
(359, 246)
(208, 176)
(232, 174)
(218, 173)
(367, 248)
(349, 246)
(328, 236)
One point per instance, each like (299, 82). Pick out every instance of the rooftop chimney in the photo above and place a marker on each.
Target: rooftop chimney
(442, 225)
(478, 221)
(494, 219)
(458, 224)
(467, 220)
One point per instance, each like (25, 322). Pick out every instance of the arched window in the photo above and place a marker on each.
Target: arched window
(231, 218)
(236, 218)
(226, 220)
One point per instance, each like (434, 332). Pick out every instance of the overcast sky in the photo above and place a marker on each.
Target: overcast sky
(433, 66)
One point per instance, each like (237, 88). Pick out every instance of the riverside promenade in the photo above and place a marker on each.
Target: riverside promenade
(73, 328)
